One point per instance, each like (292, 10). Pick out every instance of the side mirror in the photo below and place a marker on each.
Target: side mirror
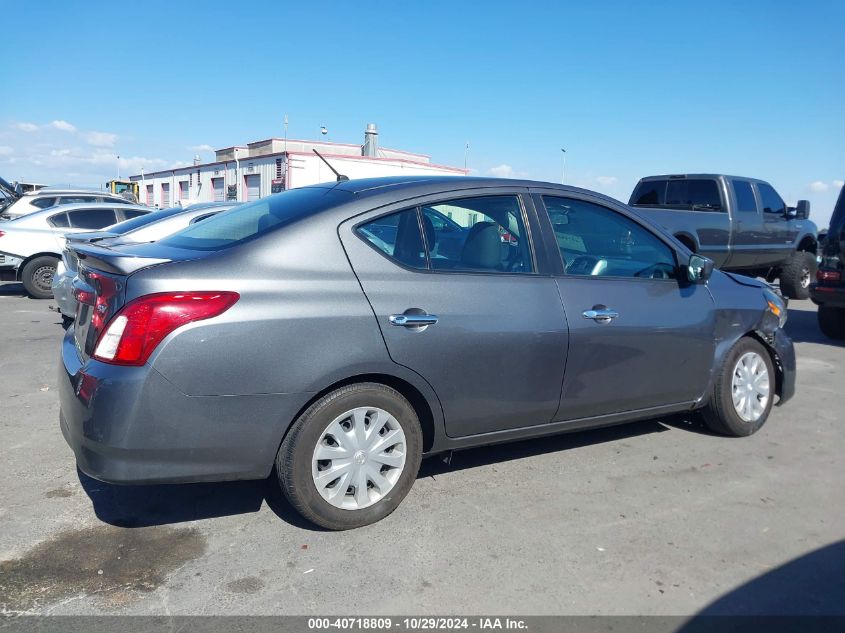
(699, 269)
(803, 209)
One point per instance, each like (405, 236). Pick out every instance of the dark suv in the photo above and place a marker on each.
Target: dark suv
(829, 290)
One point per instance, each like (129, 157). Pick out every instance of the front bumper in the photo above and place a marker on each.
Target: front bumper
(783, 347)
(130, 425)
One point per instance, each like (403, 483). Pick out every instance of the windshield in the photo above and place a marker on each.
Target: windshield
(252, 220)
(695, 194)
(143, 220)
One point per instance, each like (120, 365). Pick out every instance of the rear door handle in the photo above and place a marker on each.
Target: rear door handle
(600, 314)
(413, 320)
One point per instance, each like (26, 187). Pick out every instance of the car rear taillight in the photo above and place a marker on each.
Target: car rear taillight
(828, 275)
(138, 328)
(2, 233)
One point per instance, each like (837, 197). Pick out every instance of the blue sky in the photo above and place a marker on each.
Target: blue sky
(755, 88)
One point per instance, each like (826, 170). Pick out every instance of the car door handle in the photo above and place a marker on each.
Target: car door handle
(413, 320)
(600, 314)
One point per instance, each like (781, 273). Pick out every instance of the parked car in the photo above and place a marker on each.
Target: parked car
(283, 333)
(829, 289)
(53, 197)
(145, 228)
(742, 224)
(31, 245)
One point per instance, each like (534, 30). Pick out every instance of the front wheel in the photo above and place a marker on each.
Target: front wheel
(797, 274)
(351, 458)
(37, 276)
(743, 392)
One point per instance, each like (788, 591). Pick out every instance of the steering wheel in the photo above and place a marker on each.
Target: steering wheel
(657, 271)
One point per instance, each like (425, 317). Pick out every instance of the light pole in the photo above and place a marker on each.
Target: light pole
(563, 169)
(466, 152)
(118, 167)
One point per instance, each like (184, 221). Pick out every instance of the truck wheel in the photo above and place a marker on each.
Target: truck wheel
(37, 276)
(796, 275)
(351, 458)
(743, 391)
(832, 322)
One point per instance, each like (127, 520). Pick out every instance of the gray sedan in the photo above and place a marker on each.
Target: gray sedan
(335, 335)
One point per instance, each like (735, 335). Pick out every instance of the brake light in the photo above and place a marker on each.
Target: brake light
(828, 275)
(2, 233)
(143, 323)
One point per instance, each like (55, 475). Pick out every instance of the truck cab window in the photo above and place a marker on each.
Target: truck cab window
(745, 202)
(770, 200)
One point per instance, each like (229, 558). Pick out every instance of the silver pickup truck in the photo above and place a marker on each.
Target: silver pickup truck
(742, 224)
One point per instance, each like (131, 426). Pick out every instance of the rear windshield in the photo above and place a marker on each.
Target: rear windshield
(695, 194)
(251, 220)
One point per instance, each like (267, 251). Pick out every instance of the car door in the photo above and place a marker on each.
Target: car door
(779, 234)
(639, 337)
(481, 324)
(749, 232)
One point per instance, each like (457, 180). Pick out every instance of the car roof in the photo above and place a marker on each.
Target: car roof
(684, 176)
(59, 191)
(61, 208)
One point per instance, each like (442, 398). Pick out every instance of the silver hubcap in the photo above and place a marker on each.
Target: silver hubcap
(750, 387)
(43, 277)
(805, 278)
(359, 458)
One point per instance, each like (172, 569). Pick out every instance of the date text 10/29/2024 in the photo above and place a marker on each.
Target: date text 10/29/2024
(416, 624)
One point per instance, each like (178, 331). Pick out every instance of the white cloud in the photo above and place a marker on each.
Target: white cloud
(200, 148)
(818, 186)
(64, 126)
(5, 150)
(25, 127)
(501, 171)
(606, 181)
(838, 184)
(100, 139)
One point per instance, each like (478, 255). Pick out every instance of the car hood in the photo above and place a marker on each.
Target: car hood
(746, 281)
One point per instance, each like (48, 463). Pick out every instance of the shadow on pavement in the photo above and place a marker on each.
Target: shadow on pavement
(12, 289)
(811, 585)
(146, 505)
(803, 327)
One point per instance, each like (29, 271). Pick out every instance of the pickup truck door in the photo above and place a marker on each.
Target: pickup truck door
(749, 233)
(638, 337)
(779, 232)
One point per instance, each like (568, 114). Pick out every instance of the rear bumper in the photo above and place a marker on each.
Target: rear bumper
(130, 425)
(9, 267)
(62, 291)
(785, 351)
(828, 295)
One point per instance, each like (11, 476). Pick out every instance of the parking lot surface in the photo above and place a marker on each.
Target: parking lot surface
(656, 517)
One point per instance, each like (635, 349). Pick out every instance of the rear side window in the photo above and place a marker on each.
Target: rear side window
(92, 218)
(398, 236)
(745, 201)
(770, 200)
(254, 219)
(43, 203)
(59, 220)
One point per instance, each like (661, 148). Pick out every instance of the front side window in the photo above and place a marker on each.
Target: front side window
(745, 201)
(598, 242)
(398, 236)
(770, 200)
(91, 218)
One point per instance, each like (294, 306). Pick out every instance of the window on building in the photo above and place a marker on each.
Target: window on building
(184, 188)
(150, 195)
(165, 195)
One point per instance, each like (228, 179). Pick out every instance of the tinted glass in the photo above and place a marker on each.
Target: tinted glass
(769, 199)
(596, 241)
(745, 201)
(649, 192)
(143, 220)
(128, 214)
(76, 199)
(398, 236)
(58, 220)
(43, 203)
(478, 234)
(91, 218)
(254, 219)
(697, 194)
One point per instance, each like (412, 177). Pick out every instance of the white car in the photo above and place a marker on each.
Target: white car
(32, 245)
(53, 197)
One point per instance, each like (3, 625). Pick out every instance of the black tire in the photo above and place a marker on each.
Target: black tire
(294, 459)
(796, 275)
(37, 275)
(832, 322)
(719, 413)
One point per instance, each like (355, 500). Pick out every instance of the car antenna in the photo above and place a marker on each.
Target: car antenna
(340, 177)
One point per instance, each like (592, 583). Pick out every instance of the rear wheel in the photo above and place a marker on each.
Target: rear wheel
(832, 322)
(351, 458)
(743, 392)
(37, 276)
(796, 275)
